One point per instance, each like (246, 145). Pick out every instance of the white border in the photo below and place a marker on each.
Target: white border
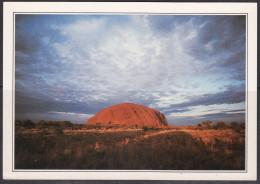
(199, 8)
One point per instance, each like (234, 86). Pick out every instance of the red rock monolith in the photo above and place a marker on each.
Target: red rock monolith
(128, 115)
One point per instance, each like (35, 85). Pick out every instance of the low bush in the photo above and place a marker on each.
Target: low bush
(177, 150)
(145, 128)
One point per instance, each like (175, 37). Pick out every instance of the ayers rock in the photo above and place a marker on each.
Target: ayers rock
(128, 115)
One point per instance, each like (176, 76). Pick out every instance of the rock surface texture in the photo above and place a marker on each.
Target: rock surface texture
(128, 115)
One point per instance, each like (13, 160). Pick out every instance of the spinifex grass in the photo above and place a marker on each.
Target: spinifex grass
(166, 149)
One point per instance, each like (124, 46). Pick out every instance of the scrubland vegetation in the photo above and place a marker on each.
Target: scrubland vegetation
(64, 145)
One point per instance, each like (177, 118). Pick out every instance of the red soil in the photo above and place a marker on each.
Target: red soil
(128, 115)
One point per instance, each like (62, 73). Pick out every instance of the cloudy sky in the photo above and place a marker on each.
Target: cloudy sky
(191, 68)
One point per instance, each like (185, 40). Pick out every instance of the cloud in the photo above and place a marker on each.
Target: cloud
(218, 41)
(82, 64)
(59, 116)
(215, 115)
(232, 95)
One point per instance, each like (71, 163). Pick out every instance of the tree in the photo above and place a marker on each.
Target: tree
(18, 123)
(243, 125)
(65, 124)
(199, 126)
(77, 126)
(235, 126)
(220, 125)
(41, 124)
(28, 123)
(207, 124)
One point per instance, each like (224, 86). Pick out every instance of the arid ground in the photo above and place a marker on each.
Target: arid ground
(171, 148)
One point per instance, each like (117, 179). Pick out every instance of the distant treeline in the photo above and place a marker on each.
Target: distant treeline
(67, 125)
(207, 125)
(42, 124)
(221, 125)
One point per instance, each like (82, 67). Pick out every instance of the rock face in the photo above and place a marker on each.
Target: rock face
(128, 115)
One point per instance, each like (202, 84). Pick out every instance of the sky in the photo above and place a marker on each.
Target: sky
(189, 67)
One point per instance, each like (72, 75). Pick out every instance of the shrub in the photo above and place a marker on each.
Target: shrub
(179, 150)
(58, 131)
(242, 125)
(27, 124)
(199, 126)
(77, 126)
(98, 125)
(18, 123)
(88, 127)
(220, 125)
(41, 124)
(65, 124)
(207, 124)
(145, 128)
(53, 124)
(235, 126)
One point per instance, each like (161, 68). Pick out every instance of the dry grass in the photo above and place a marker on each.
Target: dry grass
(130, 149)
